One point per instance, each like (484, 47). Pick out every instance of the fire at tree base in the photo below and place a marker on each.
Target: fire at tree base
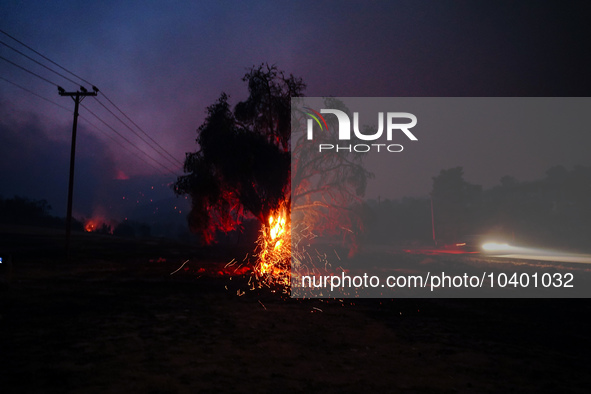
(274, 251)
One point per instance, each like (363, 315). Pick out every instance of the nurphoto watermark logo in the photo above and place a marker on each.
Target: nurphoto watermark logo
(393, 125)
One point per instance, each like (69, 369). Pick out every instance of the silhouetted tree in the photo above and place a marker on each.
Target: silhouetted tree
(243, 163)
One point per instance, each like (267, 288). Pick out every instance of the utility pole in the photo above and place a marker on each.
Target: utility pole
(433, 221)
(77, 96)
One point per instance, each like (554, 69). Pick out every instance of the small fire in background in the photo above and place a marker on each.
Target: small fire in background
(90, 225)
(273, 265)
(97, 225)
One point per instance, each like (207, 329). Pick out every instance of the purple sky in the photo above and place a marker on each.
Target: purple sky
(164, 62)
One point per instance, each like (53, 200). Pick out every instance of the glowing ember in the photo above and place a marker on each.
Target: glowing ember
(274, 257)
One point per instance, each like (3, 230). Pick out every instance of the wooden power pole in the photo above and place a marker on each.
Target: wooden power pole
(77, 96)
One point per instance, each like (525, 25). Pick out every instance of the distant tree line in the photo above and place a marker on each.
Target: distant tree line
(554, 210)
(27, 212)
(23, 211)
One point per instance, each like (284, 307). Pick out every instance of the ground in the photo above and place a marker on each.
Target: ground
(114, 319)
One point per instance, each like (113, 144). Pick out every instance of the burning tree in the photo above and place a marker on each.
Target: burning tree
(243, 164)
(243, 167)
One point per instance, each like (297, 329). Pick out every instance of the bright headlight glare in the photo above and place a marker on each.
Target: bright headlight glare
(494, 246)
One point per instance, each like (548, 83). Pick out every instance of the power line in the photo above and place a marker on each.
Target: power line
(39, 63)
(53, 83)
(146, 134)
(44, 57)
(133, 131)
(174, 161)
(120, 144)
(128, 141)
(29, 71)
(35, 94)
(91, 124)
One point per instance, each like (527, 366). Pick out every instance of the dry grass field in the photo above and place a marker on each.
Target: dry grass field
(113, 320)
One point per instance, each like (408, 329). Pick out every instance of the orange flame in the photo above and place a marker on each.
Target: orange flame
(91, 225)
(97, 224)
(273, 266)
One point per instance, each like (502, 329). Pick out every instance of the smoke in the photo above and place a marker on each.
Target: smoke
(34, 162)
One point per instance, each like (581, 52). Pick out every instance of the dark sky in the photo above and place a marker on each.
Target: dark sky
(164, 62)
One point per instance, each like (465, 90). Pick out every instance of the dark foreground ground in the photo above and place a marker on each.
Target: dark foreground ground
(114, 320)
